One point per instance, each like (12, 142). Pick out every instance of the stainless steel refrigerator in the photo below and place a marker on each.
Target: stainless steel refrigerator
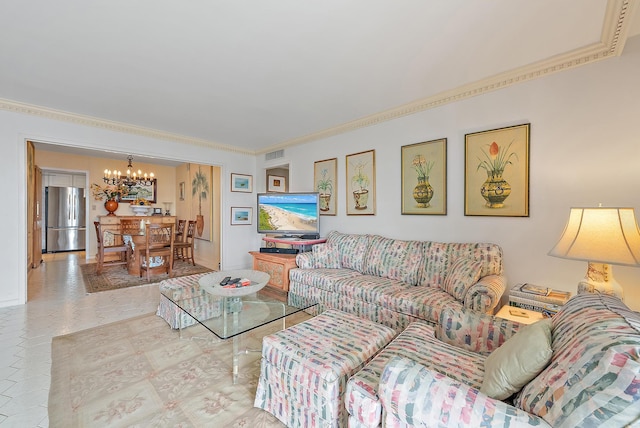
(65, 219)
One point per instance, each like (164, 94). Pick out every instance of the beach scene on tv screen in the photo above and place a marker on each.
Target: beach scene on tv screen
(288, 212)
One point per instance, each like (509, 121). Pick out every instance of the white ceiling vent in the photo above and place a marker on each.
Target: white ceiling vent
(274, 155)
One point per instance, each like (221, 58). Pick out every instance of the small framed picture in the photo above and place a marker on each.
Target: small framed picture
(361, 183)
(181, 190)
(157, 211)
(241, 215)
(325, 175)
(276, 183)
(241, 183)
(424, 178)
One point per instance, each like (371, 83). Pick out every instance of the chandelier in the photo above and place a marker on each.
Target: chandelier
(132, 178)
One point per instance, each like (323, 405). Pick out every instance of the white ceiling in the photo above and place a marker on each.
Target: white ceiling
(255, 75)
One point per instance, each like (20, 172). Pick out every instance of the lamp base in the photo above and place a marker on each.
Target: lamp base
(599, 279)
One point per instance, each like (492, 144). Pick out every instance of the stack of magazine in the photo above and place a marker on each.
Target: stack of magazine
(536, 298)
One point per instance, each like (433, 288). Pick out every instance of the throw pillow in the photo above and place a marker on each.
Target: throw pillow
(462, 274)
(518, 360)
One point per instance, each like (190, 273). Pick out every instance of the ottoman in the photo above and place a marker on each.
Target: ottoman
(305, 368)
(186, 291)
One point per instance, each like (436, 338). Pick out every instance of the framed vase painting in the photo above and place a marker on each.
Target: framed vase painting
(424, 178)
(361, 183)
(325, 177)
(496, 179)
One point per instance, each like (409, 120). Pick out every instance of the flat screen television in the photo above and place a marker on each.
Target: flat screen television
(289, 215)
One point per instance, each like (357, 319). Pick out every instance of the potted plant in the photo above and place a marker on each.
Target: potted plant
(111, 193)
(200, 187)
(361, 181)
(325, 188)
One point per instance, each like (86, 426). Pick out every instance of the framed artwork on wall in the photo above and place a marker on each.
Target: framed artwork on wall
(241, 183)
(201, 200)
(496, 179)
(241, 215)
(143, 191)
(424, 178)
(325, 177)
(181, 189)
(276, 183)
(361, 183)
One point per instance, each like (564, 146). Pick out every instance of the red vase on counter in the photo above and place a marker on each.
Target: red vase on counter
(111, 206)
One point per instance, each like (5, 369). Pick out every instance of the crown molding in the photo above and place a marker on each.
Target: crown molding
(617, 19)
(615, 27)
(47, 113)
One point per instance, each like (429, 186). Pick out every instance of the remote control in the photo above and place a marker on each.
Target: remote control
(225, 281)
(234, 280)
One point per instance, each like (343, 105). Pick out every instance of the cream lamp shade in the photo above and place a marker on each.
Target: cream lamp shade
(600, 236)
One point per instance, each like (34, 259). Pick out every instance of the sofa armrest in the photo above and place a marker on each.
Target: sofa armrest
(485, 295)
(413, 395)
(476, 332)
(305, 260)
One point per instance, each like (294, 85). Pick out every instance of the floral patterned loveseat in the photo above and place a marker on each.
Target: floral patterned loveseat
(395, 282)
(435, 376)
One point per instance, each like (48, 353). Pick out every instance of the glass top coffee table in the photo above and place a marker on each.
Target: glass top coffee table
(242, 309)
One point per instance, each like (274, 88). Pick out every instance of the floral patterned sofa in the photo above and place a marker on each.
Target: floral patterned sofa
(589, 376)
(395, 282)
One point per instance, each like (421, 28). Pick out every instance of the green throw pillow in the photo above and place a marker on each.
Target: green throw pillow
(518, 360)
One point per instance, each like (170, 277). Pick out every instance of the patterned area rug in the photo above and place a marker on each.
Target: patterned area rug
(138, 372)
(114, 277)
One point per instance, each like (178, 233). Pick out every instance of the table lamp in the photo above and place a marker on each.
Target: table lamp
(600, 236)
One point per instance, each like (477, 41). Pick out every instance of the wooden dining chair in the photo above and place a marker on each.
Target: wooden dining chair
(179, 238)
(184, 249)
(158, 251)
(120, 249)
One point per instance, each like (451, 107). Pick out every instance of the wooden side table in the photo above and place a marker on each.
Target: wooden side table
(276, 265)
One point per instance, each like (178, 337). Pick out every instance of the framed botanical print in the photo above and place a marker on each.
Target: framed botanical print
(424, 177)
(361, 183)
(496, 180)
(325, 177)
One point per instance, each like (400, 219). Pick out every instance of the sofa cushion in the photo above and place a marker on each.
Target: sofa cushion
(462, 274)
(368, 288)
(440, 255)
(324, 279)
(517, 361)
(326, 256)
(425, 303)
(394, 259)
(352, 249)
(594, 375)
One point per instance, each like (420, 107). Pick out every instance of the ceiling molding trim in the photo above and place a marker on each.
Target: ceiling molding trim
(614, 29)
(78, 119)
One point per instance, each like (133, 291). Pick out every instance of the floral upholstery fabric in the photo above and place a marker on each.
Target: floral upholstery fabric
(593, 379)
(405, 383)
(473, 331)
(462, 274)
(394, 259)
(186, 291)
(594, 375)
(377, 275)
(304, 369)
(418, 343)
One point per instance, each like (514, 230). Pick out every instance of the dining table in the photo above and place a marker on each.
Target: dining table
(135, 240)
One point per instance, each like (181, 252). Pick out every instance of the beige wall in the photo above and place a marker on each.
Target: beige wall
(94, 168)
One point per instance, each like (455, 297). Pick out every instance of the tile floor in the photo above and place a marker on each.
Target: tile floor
(57, 305)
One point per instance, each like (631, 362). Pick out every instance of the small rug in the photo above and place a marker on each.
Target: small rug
(115, 277)
(138, 372)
